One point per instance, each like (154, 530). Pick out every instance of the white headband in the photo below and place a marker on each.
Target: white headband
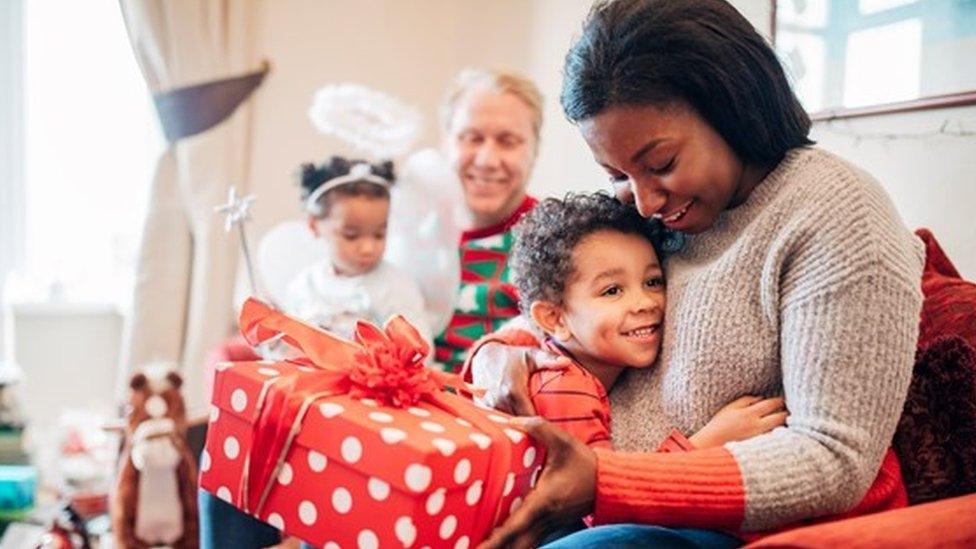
(359, 172)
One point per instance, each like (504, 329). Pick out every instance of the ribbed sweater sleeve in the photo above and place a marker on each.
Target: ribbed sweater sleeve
(848, 306)
(697, 488)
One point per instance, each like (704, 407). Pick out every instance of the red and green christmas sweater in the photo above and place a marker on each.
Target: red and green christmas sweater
(486, 297)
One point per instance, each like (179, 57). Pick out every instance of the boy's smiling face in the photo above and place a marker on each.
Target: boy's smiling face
(613, 304)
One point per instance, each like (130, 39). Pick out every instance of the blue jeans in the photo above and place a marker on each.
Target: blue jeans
(639, 535)
(224, 526)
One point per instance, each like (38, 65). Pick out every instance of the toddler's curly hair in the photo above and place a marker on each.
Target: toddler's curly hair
(542, 257)
(312, 176)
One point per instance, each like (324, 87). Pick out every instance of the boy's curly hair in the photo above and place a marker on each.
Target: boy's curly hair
(542, 257)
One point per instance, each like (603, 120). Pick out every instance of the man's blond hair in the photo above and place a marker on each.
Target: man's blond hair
(500, 81)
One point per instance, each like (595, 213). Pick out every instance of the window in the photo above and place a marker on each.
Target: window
(91, 143)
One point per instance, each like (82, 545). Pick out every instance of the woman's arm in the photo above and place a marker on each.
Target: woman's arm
(847, 306)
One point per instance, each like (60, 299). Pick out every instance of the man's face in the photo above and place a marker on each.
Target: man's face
(491, 146)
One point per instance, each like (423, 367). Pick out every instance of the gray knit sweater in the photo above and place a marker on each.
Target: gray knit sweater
(811, 289)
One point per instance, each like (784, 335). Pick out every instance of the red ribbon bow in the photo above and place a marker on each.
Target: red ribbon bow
(386, 365)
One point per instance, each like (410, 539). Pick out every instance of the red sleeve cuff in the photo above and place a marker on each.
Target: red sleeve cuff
(700, 488)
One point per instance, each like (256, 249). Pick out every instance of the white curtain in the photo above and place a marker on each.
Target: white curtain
(182, 305)
(11, 150)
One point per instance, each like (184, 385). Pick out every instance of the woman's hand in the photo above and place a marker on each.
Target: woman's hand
(743, 418)
(504, 370)
(564, 493)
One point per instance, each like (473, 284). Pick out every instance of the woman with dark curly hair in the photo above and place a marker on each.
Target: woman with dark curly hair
(798, 278)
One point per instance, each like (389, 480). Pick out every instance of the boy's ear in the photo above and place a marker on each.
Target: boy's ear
(549, 317)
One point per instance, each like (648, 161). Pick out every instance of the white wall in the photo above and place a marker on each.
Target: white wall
(932, 180)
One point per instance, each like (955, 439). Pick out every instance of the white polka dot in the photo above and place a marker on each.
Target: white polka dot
(482, 440)
(529, 457)
(435, 502)
(331, 545)
(432, 427)
(306, 369)
(417, 477)
(367, 540)
(205, 461)
(352, 449)
(274, 519)
(497, 418)
(232, 448)
(391, 435)
(221, 366)
(381, 417)
(369, 402)
(307, 513)
(316, 461)
(214, 413)
(516, 503)
(514, 435)
(330, 409)
(341, 500)
(419, 412)
(448, 526)
(446, 447)
(405, 531)
(462, 543)
(462, 471)
(378, 489)
(473, 495)
(509, 484)
(224, 493)
(462, 422)
(238, 400)
(285, 475)
(270, 372)
(267, 362)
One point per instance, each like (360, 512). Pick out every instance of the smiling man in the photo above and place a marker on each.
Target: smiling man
(491, 121)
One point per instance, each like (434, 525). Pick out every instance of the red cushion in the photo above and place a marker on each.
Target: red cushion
(936, 435)
(950, 302)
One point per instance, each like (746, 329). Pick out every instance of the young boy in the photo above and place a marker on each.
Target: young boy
(589, 276)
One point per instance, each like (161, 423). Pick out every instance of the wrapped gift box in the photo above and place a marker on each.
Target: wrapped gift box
(361, 473)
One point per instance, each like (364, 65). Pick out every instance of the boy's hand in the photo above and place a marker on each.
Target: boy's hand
(504, 370)
(743, 418)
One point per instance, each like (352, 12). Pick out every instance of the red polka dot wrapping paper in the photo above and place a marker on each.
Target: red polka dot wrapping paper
(365, 475)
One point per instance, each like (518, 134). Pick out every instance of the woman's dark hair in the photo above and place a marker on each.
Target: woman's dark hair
(542, 257)
(313, 176)
(700, 52)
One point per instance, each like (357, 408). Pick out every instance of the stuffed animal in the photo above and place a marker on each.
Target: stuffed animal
(154, 503)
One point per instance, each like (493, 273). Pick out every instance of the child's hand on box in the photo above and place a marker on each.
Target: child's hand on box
(743, 418)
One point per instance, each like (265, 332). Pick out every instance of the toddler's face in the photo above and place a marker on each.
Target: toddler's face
(355, 232)
(613, 306)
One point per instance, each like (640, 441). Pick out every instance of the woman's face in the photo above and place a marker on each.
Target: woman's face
(491, 146)
(669, 162)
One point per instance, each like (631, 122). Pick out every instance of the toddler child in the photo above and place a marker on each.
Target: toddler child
(588, 274)
(348, 202)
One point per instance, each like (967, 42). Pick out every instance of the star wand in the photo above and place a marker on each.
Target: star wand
(237, 211)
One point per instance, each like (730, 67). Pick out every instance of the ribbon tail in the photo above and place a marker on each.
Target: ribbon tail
(259, 323)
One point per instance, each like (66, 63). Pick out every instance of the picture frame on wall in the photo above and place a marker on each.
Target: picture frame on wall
(851, 58)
